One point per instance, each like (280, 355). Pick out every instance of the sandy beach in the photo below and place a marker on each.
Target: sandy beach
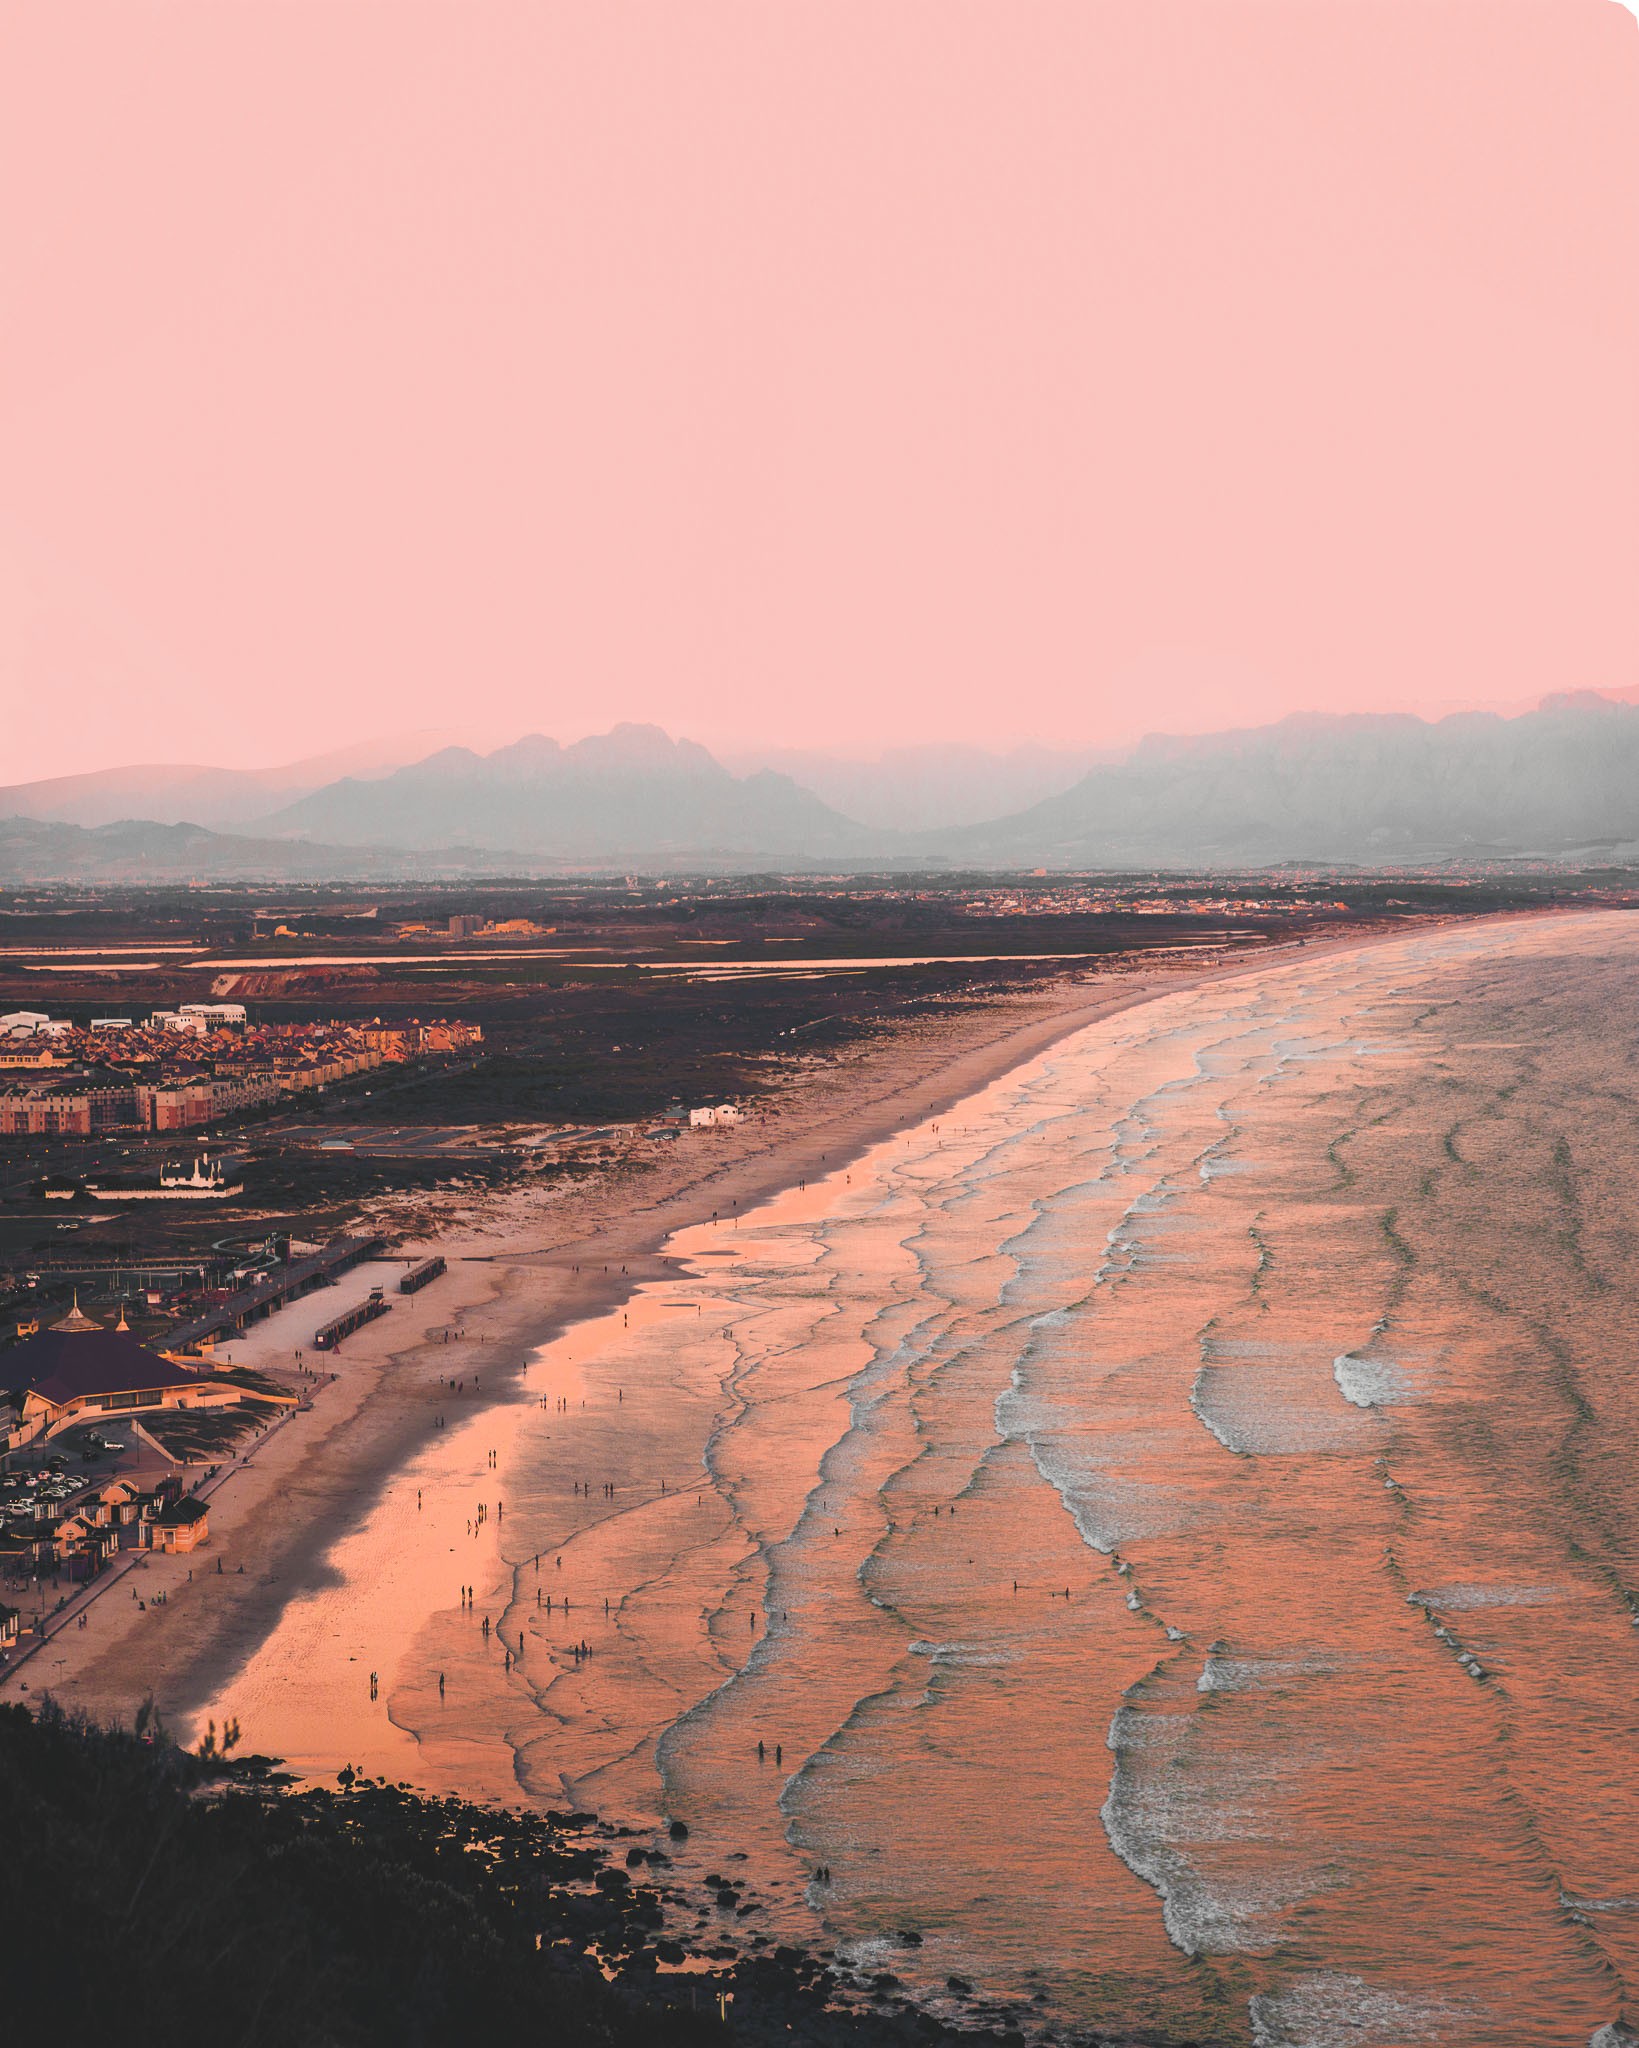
(523, 1269)
(1028, 1493)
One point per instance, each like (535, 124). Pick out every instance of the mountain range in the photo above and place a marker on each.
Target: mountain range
(930, 788)
(632, 793)
(1559, 780)
(175, 793)
(1373, 789)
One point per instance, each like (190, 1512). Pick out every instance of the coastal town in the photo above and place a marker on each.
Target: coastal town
(81, 1505)
(187, 1068)
(64, 1527)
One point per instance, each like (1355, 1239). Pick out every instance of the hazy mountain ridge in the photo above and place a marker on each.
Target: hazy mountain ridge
(1361, 787)
(931, 788)
(138, 849)
(629, 793)
(175, 793)
(1365, 787)
(134, 850)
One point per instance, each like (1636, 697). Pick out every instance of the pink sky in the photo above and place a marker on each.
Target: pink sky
(836, 372)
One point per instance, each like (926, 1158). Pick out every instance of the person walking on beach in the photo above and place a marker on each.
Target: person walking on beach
(440, 1685)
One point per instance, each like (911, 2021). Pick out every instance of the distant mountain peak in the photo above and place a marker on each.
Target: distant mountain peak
(1562, 701)
(627, 795)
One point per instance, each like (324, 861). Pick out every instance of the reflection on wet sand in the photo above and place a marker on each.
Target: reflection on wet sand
(1168, 1524)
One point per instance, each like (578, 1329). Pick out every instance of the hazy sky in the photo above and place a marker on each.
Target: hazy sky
(807, 371)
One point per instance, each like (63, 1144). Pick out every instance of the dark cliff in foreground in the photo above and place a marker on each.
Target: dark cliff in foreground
(149, 1897)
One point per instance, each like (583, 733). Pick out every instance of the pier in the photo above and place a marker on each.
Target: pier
(299, 1277)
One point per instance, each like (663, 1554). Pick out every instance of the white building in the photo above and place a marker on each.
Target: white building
(215, 1013)
(23, 1023)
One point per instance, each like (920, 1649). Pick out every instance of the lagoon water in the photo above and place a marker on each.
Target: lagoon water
(1177, 1517)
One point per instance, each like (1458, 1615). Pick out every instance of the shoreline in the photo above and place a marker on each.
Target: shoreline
(325, 1470)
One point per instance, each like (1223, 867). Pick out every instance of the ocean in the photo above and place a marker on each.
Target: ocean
(1171, 1526)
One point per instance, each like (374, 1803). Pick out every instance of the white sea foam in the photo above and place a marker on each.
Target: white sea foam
(1247, 1674)
(1333, 2010)
(1470, 1596)
(1166, 1822)
(1108, 1506)
(1226, 1169)
(964, 1656)
(1370, 1380)
(1267, 1399)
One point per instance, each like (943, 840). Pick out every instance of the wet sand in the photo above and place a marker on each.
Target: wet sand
(522, 1269)
(1167, 1522)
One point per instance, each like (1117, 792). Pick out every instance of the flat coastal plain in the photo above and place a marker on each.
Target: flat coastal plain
(1140, 1499)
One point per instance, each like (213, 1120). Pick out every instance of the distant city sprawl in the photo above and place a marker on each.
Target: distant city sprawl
(187, 1068)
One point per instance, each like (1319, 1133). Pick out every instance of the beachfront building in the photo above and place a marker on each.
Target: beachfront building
(179, 1525)
(79, 1546)
(77, 1372)
(717, 1113)
(121, 1515)
(118, 1504)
